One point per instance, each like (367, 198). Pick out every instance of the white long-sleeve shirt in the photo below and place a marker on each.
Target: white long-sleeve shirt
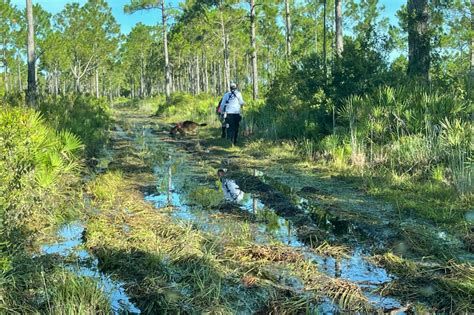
(232, 102)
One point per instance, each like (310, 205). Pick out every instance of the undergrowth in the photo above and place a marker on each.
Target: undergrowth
(41, 162)
(448, 287)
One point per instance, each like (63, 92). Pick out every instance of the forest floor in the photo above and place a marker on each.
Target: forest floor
(302, 240)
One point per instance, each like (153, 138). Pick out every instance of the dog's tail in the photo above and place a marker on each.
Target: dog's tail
(202, 125)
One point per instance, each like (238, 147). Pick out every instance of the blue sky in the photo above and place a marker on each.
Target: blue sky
(126, 21)
(152, 17)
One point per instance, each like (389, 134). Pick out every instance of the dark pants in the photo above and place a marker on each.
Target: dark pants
(233, 120)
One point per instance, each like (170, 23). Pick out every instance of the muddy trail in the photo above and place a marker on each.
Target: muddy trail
(279, 232)
(298, 242)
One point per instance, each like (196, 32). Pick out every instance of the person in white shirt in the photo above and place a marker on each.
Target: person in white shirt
(231, 108)
(230, 188)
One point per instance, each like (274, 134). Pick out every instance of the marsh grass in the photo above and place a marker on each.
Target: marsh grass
(66, 293)
(431, 200)
(39, 285)
(172, 267)
(336, 251)
(447, 286)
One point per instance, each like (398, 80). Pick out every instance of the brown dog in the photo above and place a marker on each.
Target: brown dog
(186, 127)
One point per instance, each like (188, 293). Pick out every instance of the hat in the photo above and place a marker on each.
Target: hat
(233, 85)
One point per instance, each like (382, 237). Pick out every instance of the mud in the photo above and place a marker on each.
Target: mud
(299, 209)
(271, 217)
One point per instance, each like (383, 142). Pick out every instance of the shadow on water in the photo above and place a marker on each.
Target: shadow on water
(268, 226)
(69, 245)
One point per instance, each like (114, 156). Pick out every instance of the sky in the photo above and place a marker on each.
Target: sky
(152, 17)
(126, 21)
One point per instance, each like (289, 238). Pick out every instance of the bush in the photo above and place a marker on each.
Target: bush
(85, 116)
(37, 166)
(409, 152)
(183, 106)
(38, 287)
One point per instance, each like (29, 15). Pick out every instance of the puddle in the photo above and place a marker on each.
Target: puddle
(270, 227)
(70, 244)
(120, 133)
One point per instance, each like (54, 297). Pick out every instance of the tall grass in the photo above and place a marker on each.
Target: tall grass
(412, 132)
(38, 287)
(200, 108)
(66, 293)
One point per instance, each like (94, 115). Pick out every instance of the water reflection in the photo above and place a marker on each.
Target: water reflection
(231, 190)
(269, 226)
(170, 184)
(71, 240)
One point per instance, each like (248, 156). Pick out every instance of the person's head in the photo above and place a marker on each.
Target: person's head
(220, 173)
(233, 86)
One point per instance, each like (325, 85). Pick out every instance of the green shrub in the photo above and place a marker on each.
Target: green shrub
(85, 116)
(410, 151)
(39, 287)
(68, 293)
(182, 106)
(37, 167)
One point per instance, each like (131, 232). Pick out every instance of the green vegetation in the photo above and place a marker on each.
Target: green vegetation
(177, 268)
(39, 285)
(360, 142)
(432, 283)
(40, 170)
(85, 116)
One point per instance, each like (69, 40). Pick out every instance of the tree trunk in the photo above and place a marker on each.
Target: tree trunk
(198, 76)
(253, 44)
(339, 37)
(214, 78)
(221, 80)
(142, 76)
(288, 28)
(77, 84)
(56, 82)
(234, 75)
(324, 40)
(471, 73)
(31, 93)
(419, 47)
(225, 44)
(5, 65)
(206, 74)
(165, 48)
(97, 92)
(472, 38)
(20, 83)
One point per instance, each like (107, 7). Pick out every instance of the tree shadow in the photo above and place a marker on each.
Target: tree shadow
(187, 283)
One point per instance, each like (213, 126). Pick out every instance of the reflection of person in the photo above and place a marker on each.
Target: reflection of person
(231, 190)
(222, 119)
(231, 109)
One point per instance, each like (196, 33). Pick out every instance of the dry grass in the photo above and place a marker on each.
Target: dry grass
(447, 286)
(268, 253)
(336, 251)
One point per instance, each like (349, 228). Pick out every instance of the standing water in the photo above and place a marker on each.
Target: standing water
(70, 244)
(271, 227)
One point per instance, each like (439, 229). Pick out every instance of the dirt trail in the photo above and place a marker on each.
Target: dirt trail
(290, 205)
(270, 214)
(294, 191)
